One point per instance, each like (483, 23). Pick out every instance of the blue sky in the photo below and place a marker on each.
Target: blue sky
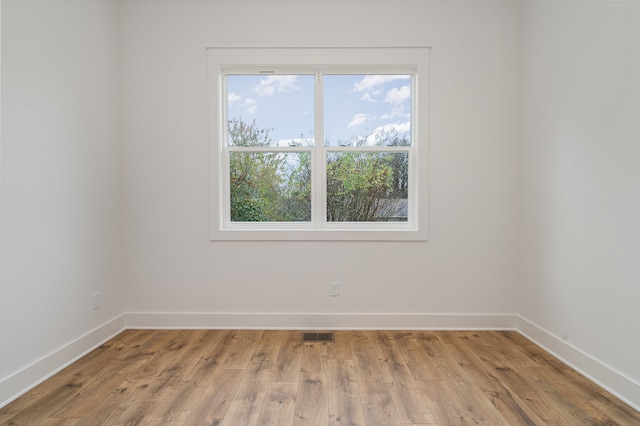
(355, 106)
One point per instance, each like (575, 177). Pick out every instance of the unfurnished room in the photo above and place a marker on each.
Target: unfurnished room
(304, 212)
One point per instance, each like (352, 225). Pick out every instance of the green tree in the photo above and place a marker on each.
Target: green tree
(253, 176)
(296, 205)
(400, 166)
(368, 186)
(276, 186)
(266, 186)
(358, 186)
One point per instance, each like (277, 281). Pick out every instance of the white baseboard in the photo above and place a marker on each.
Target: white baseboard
(32, 375)
(326, 321)
(615, 382)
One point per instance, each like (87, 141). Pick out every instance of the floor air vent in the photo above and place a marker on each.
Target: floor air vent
(318, 337)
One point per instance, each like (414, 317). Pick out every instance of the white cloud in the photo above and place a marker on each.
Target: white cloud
(388, 128)
(232, 98)
(372, 81)
(397, 113)
(398, 96)
(250, 106)
(374, 85)
(276, 84)
(357, 120)
(367, 97)
(398, 127)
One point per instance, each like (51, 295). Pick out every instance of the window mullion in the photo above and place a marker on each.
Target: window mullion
(319, 208)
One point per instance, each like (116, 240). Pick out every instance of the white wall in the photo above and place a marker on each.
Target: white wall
(469, 264)
(580, 276)
(61, 183)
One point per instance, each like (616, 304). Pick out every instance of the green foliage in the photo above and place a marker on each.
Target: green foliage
(363, 187)
(243, 134)
(266, 186)
(276, 186)
(255, 185)
(296, 201)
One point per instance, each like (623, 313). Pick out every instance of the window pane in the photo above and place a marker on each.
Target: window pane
(278, 108)
(367, 110)
(367, 186)
(270, 186)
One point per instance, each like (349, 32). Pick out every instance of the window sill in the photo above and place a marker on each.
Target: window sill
(318, 235)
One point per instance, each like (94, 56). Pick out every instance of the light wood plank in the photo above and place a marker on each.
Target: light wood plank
(53, 421)
(213, 356)
(115, 404)
(476, 407)
(345, 404)
(246, 405)
(248, 377)
(241, 349)
(289, 360)
(178, 406)
(420, 361)
(444, 406)
(377, 404)
(271, 337)
(507, 403)
(312, 402)
(201, 342)
(404, 390)
(161, 389)
(279, 405)
(342, 347)
(504, 365)
(214, 403)
(366, 360)
(428, 343)
(261, 365)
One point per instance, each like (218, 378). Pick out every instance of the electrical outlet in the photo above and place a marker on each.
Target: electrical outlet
(97, 300)
(335, 289)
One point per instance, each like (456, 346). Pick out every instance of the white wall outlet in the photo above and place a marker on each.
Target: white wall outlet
(335, 289)
(96, 299)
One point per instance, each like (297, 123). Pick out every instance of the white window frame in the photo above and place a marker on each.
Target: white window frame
(399, 60)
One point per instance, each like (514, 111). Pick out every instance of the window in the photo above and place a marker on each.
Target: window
(318, 144)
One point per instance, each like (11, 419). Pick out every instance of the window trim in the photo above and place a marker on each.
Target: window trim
(363, 60)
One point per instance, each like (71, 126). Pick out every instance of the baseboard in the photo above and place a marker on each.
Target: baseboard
(326, 321)
(22, 381)
(615, 382)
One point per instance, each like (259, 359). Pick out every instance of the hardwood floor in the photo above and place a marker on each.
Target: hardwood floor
(253, 377)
